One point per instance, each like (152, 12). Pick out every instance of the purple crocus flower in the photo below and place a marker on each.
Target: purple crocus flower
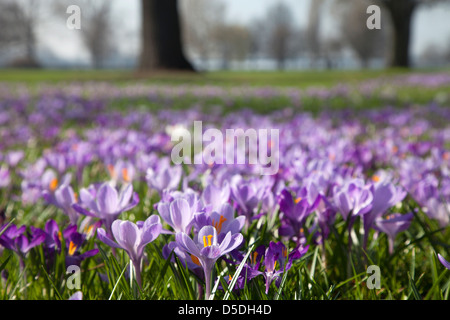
(392, 225)
(223, 220)
(177, 214)
(106, 202)
(444, 262)
(5, 177)
(294, 214)
(14, 157)
(164, 177)
(17, 240)
(132, 238)
(64, 198)
(205, 249)
(213, 197)
(73, 240)
(277, 253)
(385, 196)
(354, 198)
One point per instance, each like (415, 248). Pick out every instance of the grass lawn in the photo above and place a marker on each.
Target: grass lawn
(299, 79)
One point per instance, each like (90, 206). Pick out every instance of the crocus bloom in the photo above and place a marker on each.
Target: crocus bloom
(132, 238)
(64, 198)
(392, 225)
(164, 178)
(223, 220)
(106, 203)
(276, 253)
(295, 212)
(73, 240)
(15, 239)
(5, 177)
(385, 196)
(213, 197)
(444, 262)
(177, 214)
(205, 249)
(353, 197)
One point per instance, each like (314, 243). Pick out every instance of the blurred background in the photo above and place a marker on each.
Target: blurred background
(226, 34)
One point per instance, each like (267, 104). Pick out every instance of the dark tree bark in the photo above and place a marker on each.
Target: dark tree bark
(401, 12)
(161, 37)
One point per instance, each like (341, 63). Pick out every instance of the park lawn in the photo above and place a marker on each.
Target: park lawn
(300, 79)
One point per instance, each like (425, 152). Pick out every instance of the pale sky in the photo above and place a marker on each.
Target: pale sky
(431, 25)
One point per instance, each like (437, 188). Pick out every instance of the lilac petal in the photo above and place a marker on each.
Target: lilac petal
(128, 235)
(150, 233)
(101, 235)
(107, 199)
(187, 244)
(88, 254)
(133, 203)
(125, 196)
(180, 213)
(444, 262)
(236, 241)
(83, 211)
(164, 211)
(65, 196)
(212, 252)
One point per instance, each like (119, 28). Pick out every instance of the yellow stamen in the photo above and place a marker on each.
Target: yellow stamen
(195, 260)
(75, 195)
(284, 252)
(88, 230)
(375, 178)
(394, 149)
(53, 184)
(302, 230)
(275, 265)
(446, 156)
(60, 236)
(72, 248)
(230, 277)
(207, 243)
(125, 175)
(298, 200)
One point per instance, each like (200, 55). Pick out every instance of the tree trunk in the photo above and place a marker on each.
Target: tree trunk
(161, 37)
(401, 12)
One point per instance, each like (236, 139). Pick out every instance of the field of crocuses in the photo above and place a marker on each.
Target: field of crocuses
(92, 206)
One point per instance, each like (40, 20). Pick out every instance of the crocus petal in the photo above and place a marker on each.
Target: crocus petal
(187, 244)
(101, 234)
(444, 262)
(107, 199)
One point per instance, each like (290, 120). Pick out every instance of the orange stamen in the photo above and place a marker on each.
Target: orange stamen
(218, 225)
(53, 184)
(195, 260)
(125, 175)
(72, 248)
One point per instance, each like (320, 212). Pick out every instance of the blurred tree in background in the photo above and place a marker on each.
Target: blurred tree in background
(161, 46)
